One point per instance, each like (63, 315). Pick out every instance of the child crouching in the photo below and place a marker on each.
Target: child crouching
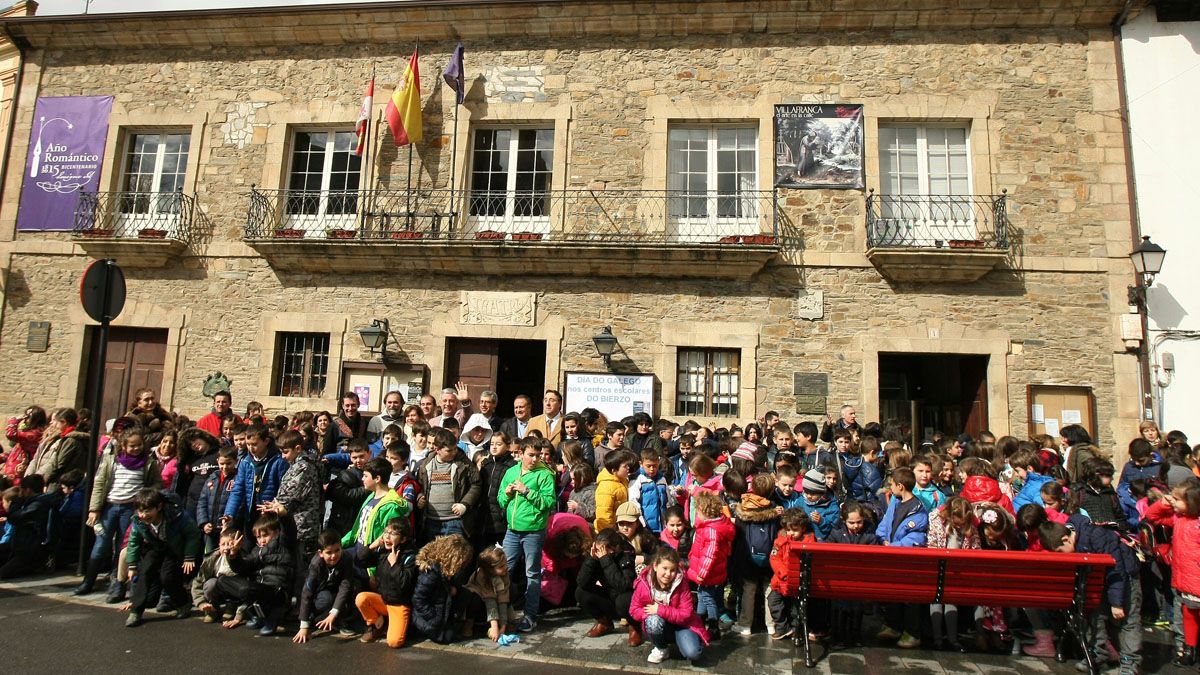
(395, 561)
(263, 577)
(491, 585)
(327, 588)
(437, 600)
(663, 605)
(164, 546)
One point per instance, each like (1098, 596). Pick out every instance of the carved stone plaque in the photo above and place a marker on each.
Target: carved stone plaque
(810, 304)
(811, 384)
(810, 405)
(499, 308)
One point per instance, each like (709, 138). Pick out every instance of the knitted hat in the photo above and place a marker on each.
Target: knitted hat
(814, 481)
(628, 513)
(745, 451)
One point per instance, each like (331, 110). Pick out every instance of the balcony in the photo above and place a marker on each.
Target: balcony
(941, 239)
(609, 233)
(138, 229)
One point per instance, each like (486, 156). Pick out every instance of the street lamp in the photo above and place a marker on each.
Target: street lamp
(375, 337)
(1147, 262)
(605, 343)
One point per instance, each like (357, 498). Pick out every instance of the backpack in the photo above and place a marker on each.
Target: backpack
(1150, 537)
(760, 539)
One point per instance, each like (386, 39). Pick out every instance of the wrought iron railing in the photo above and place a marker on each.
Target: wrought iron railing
(936, 221)
(582, 215)
(143, 215)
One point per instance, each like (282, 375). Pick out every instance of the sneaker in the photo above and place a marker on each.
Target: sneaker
(782, 632)
(182, 611)
(907, 641)
(369, 635)
(657, 655)
(117, 590)
(887, 634)
(346, 633)
(164, 605)
(727, 619)
(133, 620)
(741, 629)
(525, 625)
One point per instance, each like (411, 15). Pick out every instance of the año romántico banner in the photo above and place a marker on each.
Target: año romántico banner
(66, 151)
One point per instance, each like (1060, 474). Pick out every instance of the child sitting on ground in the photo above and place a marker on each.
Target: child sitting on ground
(328, 586)
(492, 587)
(794, 528)
(708, 560)
(395, 562)
(663, 604)
(757, 525)
(164, 547)
(215, 565)
(263, 577)
(437, 599)
(638, 538)
(605, 585)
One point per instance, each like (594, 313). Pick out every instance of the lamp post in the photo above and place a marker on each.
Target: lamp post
(605, 343)
(375, 337)
(1147, 261)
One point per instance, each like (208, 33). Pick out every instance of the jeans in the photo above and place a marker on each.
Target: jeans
(115, 519)
(439, 528)
(660, 633)
(1129, 629)
(527, 545)
(709, 602)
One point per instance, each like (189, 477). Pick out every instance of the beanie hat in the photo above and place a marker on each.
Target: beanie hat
(814, 481)
(745, 451)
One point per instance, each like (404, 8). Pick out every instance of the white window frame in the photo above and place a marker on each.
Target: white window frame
(315, 224)
(157, 210)
(508, 221)
(712, 225)
(927, 218)
(720, 386)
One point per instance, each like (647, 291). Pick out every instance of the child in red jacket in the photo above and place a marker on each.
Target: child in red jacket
(1180, 510)
(794, 529)
(709, 557)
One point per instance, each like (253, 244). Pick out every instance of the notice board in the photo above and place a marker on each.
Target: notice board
(1052, 407)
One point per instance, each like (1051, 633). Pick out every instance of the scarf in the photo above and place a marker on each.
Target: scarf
(132, 462)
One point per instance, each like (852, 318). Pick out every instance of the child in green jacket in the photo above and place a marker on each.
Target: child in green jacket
(164, 547)
(377, 509)
(527, 495)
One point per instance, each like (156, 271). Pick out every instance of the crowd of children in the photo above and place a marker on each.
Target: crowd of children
(674, 532)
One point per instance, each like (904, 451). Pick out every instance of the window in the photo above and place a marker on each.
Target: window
(323, 181)
(712, 175)
(152, 181)
(301, 365)
(925, 182)
(507, 195)
(707, 382)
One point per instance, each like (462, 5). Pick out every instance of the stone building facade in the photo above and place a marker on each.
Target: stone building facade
(608, 83)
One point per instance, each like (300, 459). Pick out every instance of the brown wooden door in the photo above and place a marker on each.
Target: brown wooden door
(474, 362)
(135, 360)
(973, 374)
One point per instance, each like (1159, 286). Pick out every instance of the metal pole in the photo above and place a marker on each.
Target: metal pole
(454, 163)
(364, 207)
(95, 400)
(408, 188)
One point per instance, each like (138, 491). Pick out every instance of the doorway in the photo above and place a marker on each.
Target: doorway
(934, 392)
(135, 360)
(507, 367)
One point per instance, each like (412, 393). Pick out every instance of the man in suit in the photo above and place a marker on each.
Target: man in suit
(518, 427)
(549, 423)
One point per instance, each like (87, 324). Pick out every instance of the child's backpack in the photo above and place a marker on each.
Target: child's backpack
(1152, 539)
(760, 539)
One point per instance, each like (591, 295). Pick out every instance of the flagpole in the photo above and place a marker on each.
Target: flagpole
(368, 195)
(453, 164)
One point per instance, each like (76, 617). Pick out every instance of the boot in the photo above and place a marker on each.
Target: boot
(635, 636)
(1043, 645)
(89, 579)
(602, 627)
(1186, 657)
(116, 592)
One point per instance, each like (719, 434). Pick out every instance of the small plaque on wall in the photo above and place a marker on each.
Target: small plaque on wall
(813, 384)
(38, 339)
(810, 405)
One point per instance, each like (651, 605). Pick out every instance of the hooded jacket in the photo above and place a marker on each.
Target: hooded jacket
(1094, 539)
(477, 421)
(983, 489)
(151, 478)
(679, 609)
(528, 512)
(713, 485)
(396, 582)
(214, 496)
(392, 505)
(271, 565)
(257, 482)
(860, 478)
(59, 455)
(653, 499)
(346, 494)
(1184, 556)
(611, 492)
(490, 474)
(25, 444)
(300, 494)
(757, 525)
(827, 513)
(711, 545)
(198, 466)
(432, 602)
(904, 524)
(841, 535)
(1031, 491)
(781, 566)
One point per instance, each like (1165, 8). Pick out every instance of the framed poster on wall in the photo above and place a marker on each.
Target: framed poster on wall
(1052, 407)
(819, 146)
(372, 381)
(617, 396)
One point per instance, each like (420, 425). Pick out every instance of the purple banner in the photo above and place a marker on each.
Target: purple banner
(66, 151)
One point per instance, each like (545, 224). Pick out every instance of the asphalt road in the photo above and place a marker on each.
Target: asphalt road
(39, 635)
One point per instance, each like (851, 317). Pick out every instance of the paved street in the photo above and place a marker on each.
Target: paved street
(38, 614)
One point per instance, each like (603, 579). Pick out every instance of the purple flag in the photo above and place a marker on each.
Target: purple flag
(453, 75)
(66, 151)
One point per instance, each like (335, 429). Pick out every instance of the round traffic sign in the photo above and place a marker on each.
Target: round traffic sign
(102, 291)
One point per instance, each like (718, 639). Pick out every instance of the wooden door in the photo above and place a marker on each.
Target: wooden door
(134, 361)
(475, 362)
(973, 375)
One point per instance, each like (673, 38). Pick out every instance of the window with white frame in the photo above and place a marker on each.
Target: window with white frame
(152, 179)
(925, 183)
(707, 382)
(512, 170)
(712, 180)
(323, 180)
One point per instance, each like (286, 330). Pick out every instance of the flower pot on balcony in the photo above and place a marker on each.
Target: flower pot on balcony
(97, 232)
(966, 243)
(527, 236)
(289, 233)
(406, 234)
(490, 235)
(151, 233)
(731, 239)
(341, 234)
(759, 239)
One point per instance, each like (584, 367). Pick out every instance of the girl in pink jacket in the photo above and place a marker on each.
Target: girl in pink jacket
(1180, 510)
(663, 604)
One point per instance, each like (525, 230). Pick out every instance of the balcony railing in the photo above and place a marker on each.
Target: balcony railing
(933, 221)
(618, 217)
(141, 215)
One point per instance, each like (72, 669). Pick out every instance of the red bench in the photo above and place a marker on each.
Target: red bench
(1073, 583)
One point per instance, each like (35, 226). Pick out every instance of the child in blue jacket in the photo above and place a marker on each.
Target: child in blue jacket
(905, 524)
(257, 481)
(214, 496)
(822, 511)
(651, 493)
(1033, 467)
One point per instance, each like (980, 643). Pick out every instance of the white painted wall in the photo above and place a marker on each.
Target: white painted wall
(1162, 70)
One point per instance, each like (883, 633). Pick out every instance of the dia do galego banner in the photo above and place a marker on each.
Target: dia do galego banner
(66, 151)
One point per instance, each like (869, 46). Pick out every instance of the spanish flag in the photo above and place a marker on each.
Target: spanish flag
(404, 107)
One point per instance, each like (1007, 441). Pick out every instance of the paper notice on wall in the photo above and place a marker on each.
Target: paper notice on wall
(1072, 417)
(1039, 413)
(1052, 426)
(364, 395)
